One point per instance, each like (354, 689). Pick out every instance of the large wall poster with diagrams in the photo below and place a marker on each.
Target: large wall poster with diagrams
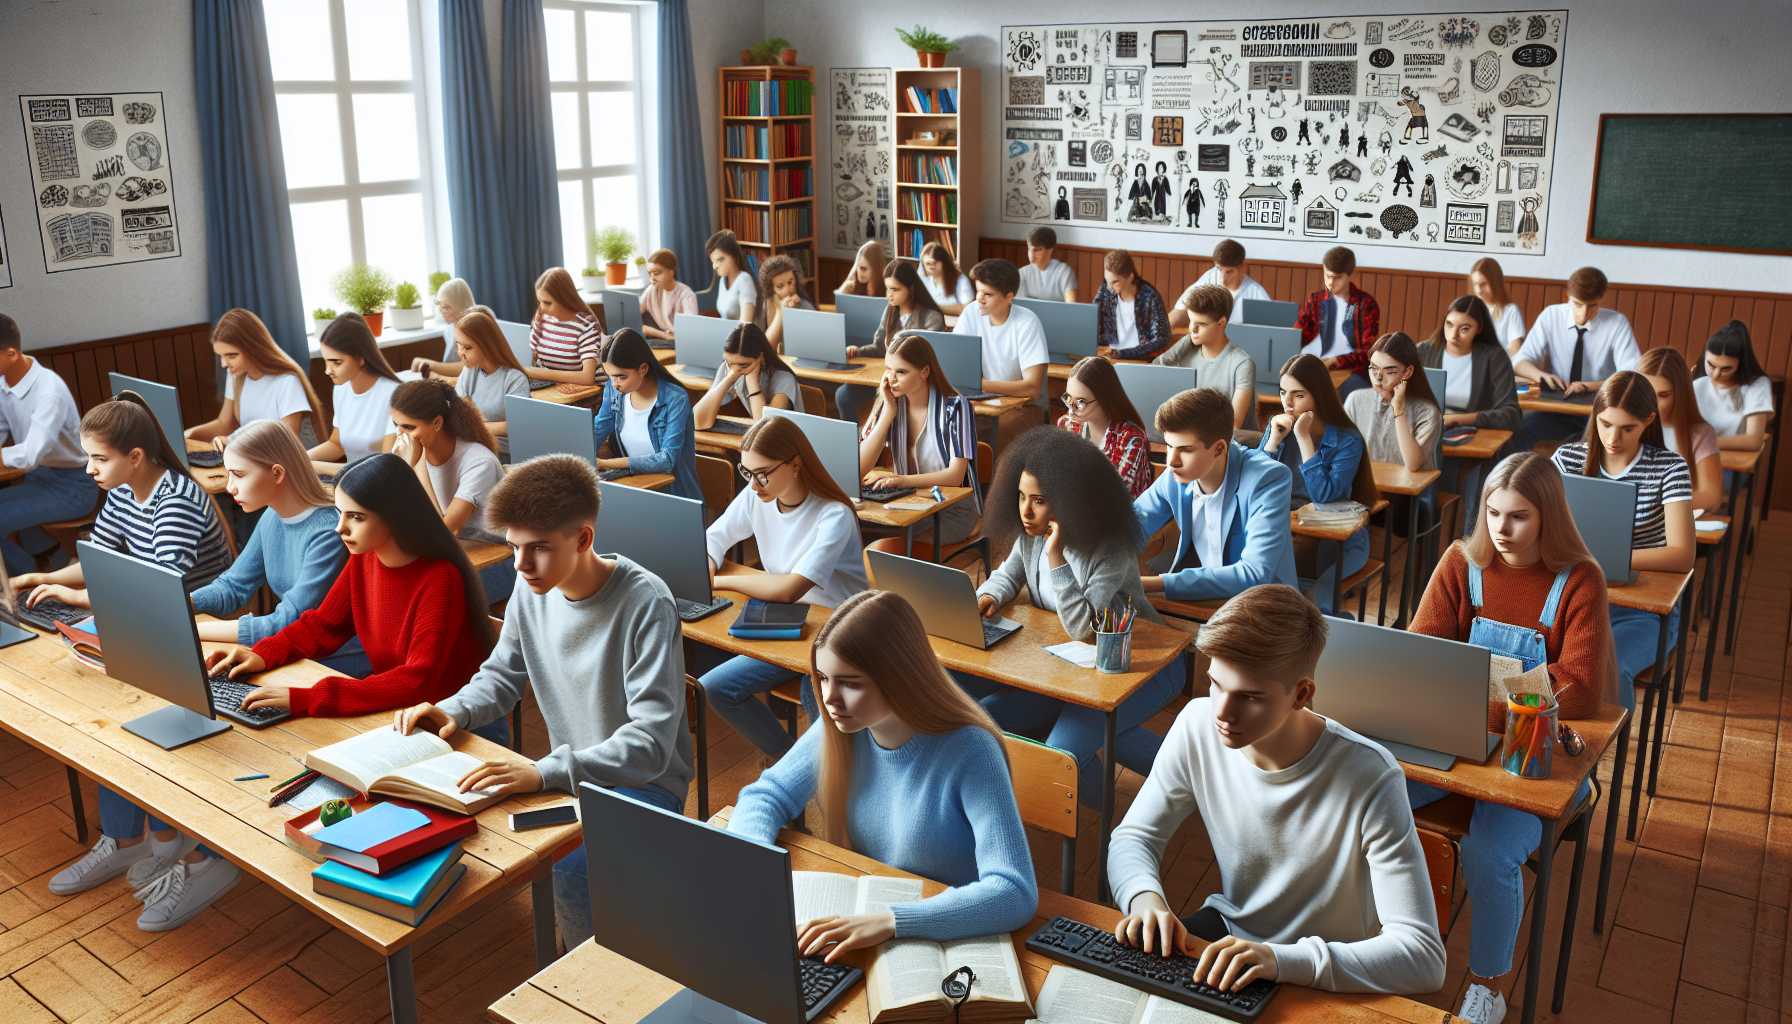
(860, 176)
(1426, 131)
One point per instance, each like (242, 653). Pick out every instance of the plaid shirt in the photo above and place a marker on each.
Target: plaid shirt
(1127, 448)
(1315, 321)
(1147, 310)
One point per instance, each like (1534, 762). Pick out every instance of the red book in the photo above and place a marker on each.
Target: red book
(444, 827)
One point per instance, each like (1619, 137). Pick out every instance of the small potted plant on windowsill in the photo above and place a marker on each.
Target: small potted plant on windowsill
(436, 281)
(930, 47)
(366, 290)
(407, 308)
(321, 318)
(614, 246)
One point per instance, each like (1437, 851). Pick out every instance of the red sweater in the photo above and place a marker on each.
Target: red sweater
(412, 621)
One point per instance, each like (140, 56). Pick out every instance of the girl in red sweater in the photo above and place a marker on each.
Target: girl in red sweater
(1524, 585)
(409, 594)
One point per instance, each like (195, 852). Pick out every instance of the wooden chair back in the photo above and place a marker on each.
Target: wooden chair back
(716, 476)
(1045, 784)
(815, 400)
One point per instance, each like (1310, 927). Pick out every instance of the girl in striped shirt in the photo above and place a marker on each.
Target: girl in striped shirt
(566, 335)
(930, 433)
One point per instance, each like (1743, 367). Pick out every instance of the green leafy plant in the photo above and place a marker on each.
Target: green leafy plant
(767, 51)
(323, 313)
(925, 40)
(364, 289)
(613, 244)
(437, 280)
(591, 271)
(640, 261)
(405, 296)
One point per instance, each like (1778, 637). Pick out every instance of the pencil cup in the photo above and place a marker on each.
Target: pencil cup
(1113, 652)
(1530, 738)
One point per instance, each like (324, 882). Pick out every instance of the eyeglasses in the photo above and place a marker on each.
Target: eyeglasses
(1385, 372)
(1077, 405)
(760, 477)
(957, 987)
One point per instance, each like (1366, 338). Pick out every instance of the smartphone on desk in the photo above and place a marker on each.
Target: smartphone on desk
(544, 817)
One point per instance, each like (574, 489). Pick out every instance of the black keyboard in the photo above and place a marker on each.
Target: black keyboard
(1088, 948)
(974, 395)
(822, 983)
(227, 700)
(614, 474)
(208, 459)
(885, 493)
(537, 385)
(730, 427)
(48, 612)
(996, 631)
(691, 611)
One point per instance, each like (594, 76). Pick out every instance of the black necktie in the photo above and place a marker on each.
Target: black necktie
(1580, 354)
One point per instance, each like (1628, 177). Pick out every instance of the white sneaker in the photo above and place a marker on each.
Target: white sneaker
(145, 871)
(1482, 1005)
(106, 861)
(173, 897)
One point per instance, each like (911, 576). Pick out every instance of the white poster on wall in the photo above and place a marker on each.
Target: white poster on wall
(5, 257)
(1427, 131)
(100, 171)
(861, 182)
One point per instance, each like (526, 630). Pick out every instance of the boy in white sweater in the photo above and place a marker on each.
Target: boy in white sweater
(1322, 881)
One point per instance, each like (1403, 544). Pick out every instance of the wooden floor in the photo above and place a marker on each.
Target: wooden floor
(1699, 932)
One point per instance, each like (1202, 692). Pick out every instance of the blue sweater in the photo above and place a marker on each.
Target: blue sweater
(297, 561)
(940, 806)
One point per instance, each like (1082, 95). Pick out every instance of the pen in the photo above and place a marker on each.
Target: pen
(251, 777)
(283, 783)
(293, 788)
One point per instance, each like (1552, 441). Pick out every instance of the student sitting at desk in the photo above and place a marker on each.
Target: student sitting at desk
(868, 270)
(1229, 503)
(1478, 390)
(264, 383)
(42, 431)
(1044, 277)
(1487, 282)
(1735, 395)
(645, 416)
(909, 772)
(153, 509)
(1328, 462)
(453, 301)
(361, 402)
(1524, 586)
(664, 297)
(1218, 364)
(807, 534)
(1322, 880)
(781, 283)
(1340, 321)
(443, 439)
(1014, 350)
(930, 433)
(736, 296)
(1573, 346)
(1683, 431)
(488, 372)
(950, 287)
(1397, 414)
(1065, 518)
(752, 374)
(596, 639)
(1097, 410)
(565, 335)
(1623, 441)
(911, 308)
(1129, 313)
(1227, 272)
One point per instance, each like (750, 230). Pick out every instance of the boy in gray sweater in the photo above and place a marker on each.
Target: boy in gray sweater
(598, 640)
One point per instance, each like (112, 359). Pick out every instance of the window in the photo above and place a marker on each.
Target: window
(355, 126)
(595, 66)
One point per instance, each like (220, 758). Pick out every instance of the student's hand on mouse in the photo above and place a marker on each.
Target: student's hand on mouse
(56, 591)
(1231, 963)
(424, 716)
(852, 351)
(988, 606)
(272, 698)
(1154, 928)
(1578, 387)
(830, 937)
(235, 661)
(503, 778)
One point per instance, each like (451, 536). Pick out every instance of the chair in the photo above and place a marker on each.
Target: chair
(1045, 788)
(716, 476)
(786, 700)
(815, 400)
(68, 531)
(706, 299)
(696, 716)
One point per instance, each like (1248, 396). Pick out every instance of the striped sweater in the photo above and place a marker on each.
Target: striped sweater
(177, 526)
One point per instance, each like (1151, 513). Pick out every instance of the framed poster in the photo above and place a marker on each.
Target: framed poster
(861, 180)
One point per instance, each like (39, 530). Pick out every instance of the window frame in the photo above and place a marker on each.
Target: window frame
(587, 173)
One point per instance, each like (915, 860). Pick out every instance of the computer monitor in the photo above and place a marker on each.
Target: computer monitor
(1269, 348)
(1266, 313)
(1069, 327)
(12, 631)
(1605, 513)
(164, 404)
(547, 428)
(836, 443)
(698, 340)
(942, 596)
(1422, 697)
(517, 336)
(961, 359)
(815, 340)
(662, 532)
(863, 313)
(621, 309)
(146, 620)
(1150, 386)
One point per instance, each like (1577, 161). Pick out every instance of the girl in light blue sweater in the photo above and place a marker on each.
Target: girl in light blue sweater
(908, 771)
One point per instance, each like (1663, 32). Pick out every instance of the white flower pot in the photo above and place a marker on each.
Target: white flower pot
(319, 323)
(404, 319)
(591, 282)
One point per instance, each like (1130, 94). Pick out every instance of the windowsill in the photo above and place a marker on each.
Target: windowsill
(391, 338)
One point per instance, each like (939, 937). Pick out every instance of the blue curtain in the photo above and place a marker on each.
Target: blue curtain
(530, 183)
(684, 191)
(250, 259)
(476, 192)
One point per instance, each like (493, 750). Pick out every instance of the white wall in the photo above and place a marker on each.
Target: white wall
(1622, 56)
(100, 46)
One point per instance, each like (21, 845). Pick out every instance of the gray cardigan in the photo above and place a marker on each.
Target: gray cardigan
(1085, 583)
(1493, 394)
(930, 320)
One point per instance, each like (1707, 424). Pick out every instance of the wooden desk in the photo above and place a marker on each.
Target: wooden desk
(1555, 405)
(1485, 444)
(484, 554)
(1329, 533)
(213, 479)
(10, 473)
(75, 715)
(586, 395)
(1393, 478)
(593, 984)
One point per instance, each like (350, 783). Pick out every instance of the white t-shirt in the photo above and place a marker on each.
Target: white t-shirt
(469, 474)
(1509, 325)
(1207, 525)
(1339, 342)
(1010, 349)
(1248, 288)
(732, 295)
(1459, 379)
(1126, 322)
(1050, 283)
(274, 396)
(636, 440)
(964, 292)
(1726, 410)
(818, 540)
(363, 421)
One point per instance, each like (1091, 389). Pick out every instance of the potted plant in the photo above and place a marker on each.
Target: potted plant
(614, 246)
(321, 318)
(437, 280)
(407, 307)
(779, 49)
(366, 290)
(930, 47)
(641, 270)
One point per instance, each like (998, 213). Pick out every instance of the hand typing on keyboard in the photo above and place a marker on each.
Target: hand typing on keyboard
(49, 595)
(828, 937)
(1227, 964)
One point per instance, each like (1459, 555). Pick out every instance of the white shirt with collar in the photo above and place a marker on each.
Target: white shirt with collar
(1610, 346)
(1207, 523)
(43, 427)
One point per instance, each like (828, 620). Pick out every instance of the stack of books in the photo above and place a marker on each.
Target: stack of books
(395, 858)
(1331, 513)
(770, 620)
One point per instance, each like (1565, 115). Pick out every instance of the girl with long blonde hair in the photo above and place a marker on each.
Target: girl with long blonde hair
(1487, 281)
(566, 335)
(265, 383)
(488, 371)
(908, 770)
(866, 275)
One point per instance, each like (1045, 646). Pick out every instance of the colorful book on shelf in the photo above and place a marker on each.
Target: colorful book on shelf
(443, 828)
(406, 895)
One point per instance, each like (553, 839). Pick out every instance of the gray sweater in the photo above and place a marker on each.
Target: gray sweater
(1493, 394)
(608, 673)
(926, 320)
(1085, 583)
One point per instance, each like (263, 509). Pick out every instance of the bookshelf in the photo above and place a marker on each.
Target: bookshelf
(936, 181)
(768, 163)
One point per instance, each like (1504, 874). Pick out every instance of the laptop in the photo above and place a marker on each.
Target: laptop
(863, 313)
(146, 627)
(1269, 348)
(12, 629)
(1422, 697)
(836, 443)
(517, 335)
(961, 359)
(942, 596)
(164, 403)
(1069, 328)
(664, 534)
(622, 309)
(1265, 313)
(708, 909)
(1605, 513)
(1150, 386)
(814, 340)
(698, 342)
(548, 428)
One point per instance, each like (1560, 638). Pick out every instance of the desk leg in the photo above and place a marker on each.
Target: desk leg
(1717, 611)
(1338, 579)
(1642, 732)
(1660, 688)
(1406, 573)
(1533, 957)
(939, 553)
(1111, 770)
(1611, 827)
(1387, 566)
(77, 806)
(401, 987)
(1738, 524)
(908, 540)
(1661, 715)
(541, 898)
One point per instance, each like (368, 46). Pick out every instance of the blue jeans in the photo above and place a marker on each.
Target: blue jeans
(572, 884)
(43, 495)
(1634, 634)
(121, 819)
(853, 400)
(734, 689)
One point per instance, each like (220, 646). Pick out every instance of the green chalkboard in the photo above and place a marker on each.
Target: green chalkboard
(1694, 181)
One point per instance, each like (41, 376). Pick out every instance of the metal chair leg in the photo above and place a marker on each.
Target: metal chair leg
(1566, 946)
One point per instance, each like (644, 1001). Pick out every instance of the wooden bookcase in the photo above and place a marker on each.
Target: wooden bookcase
(768, 163)
(937, 182)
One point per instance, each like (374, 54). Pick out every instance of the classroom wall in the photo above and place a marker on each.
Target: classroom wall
(1622, 56)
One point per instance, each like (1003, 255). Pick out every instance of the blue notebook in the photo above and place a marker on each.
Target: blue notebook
(770, 620)
(405, 886)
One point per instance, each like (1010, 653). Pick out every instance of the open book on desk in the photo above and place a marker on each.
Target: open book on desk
(1071, 996)
(903, 982)
(420, 767)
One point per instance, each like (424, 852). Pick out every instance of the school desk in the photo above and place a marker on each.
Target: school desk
(1656, 593)
(1714, 545)
(1393, 478)
(75, 715)
(1529, 401)
(1484, 444)
(593, 984)
(1200, 611)
(1746, 465)
(10, 473)
(212, 479)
